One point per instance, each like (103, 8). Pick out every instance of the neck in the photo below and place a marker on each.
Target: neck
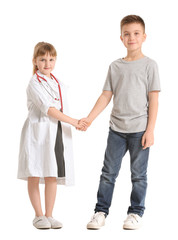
(133, 55)
(49, 76)
(46, 75)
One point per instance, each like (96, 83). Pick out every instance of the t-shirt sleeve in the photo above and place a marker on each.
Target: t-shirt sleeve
(153, 77)
(108, 83)
(36, 95)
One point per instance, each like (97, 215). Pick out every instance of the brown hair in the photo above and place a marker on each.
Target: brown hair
(132, 19)
(41, 49)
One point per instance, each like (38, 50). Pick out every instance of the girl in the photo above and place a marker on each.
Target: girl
(45, 149)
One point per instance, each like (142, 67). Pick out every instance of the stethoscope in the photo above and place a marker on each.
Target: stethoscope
(60, 94)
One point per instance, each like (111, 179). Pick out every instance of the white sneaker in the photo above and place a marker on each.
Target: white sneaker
(97, 221)
(41, 222)
(132, 222)
(54, 223)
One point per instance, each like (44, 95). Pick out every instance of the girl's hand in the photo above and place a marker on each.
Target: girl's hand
(85, 123)
(79, 125)
(147, 139)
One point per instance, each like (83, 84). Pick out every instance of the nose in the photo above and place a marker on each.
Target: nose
(47, 63)
(131, 36)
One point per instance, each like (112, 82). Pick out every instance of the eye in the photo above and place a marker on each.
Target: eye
(126, 34)
(52, 59)
(42, 60)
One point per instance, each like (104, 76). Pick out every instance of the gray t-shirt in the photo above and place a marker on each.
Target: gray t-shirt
(130, 83)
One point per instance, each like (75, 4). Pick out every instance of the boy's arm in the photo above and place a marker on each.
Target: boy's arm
(99, 106)
(148, 137)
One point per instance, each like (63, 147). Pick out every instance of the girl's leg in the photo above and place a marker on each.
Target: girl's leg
(50, 195)
(34, 194)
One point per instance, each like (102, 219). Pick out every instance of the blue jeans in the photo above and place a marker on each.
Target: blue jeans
(117, 145)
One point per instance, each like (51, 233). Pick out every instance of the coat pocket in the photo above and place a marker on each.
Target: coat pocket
(40, 132)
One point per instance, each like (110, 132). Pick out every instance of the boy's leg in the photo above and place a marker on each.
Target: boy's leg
(139, 163)
(116, 149)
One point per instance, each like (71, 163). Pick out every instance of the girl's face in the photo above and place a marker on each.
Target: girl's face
(133, 36)
(45, 64)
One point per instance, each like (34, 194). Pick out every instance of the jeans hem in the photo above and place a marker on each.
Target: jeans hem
(139, 214)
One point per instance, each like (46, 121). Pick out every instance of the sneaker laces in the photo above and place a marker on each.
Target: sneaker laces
(96, 216)
(132, 217)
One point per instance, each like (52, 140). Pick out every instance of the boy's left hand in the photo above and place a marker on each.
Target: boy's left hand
(83, 124)
(147, 139)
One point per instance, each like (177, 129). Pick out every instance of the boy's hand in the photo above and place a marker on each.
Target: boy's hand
(84, 123)
(147, 139)
(78, 125)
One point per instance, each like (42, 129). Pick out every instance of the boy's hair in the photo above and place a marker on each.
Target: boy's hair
(41, 49)
(132, 19)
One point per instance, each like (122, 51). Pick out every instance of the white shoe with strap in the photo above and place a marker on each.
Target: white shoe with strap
(97, 221)
(54, 223)
(132, 222)
(41, 222)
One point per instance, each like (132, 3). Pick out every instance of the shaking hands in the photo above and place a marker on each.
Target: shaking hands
(83, 124)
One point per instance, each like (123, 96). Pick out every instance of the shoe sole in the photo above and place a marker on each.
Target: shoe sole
(42, 228)
(131, 228)
(56, 227)
(94, 228)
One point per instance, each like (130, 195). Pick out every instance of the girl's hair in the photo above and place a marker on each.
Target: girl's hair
(132, 19)
(41, 49)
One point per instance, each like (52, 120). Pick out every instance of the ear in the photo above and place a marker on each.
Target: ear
(34, 61)
(121, 38)
(144, 37)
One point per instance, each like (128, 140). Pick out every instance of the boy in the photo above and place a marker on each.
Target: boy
(133, 82)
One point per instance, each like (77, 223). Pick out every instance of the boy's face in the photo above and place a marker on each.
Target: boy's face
(132, 36)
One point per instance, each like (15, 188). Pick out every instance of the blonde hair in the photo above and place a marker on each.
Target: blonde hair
(41, 49)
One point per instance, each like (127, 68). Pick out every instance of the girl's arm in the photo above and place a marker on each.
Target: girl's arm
(53, 112)
(148, 137)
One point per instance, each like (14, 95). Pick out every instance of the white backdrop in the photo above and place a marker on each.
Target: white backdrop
(86, 36)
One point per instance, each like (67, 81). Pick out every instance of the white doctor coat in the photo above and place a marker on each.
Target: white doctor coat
(37, 157)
